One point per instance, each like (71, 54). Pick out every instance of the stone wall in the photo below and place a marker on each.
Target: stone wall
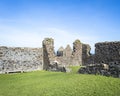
(60, 51)
(13, 59)
(85, 53)
(77, 52)
(101, 69)
(106, 60)
(65, 59)
(48, 52)
(50, 62)
(106, 52)
(69, 56)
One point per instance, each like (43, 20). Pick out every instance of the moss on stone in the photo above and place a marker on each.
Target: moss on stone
(49, 39)
(77, 41)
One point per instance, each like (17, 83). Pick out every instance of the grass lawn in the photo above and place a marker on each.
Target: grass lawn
(43, 83)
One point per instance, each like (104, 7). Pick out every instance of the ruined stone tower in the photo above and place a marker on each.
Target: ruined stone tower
(48, 52)
(77, 52)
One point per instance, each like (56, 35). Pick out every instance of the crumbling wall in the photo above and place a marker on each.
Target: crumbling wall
(87, 57)
(106, 60)
(48, 52)
(86, 54)
(49, 58)
(65, 59)
(77, 53)
(13, 59)
(101, 69)
(70, 57)
(106, 52)
(60, 51)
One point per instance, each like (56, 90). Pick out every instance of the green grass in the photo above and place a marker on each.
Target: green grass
(43, 83)
(74, 69)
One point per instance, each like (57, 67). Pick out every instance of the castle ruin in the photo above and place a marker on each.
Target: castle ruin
(18, 59)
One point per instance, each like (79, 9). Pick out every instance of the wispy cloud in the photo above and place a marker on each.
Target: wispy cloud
(22, 33)
(28, 23)
(32, 37)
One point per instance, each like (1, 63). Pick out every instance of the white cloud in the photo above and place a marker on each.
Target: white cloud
(33, 36)
(11, 36)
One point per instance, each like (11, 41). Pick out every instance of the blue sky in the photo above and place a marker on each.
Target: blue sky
(25, 23)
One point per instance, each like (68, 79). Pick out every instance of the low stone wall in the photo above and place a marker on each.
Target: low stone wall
(16, 59)
(101, 69)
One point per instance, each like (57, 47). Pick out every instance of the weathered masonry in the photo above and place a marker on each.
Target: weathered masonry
(68, 57)
(107, 52)
(106, 60)
(18, 59)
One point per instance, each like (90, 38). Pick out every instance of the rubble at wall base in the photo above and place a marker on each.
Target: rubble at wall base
(101, 69)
